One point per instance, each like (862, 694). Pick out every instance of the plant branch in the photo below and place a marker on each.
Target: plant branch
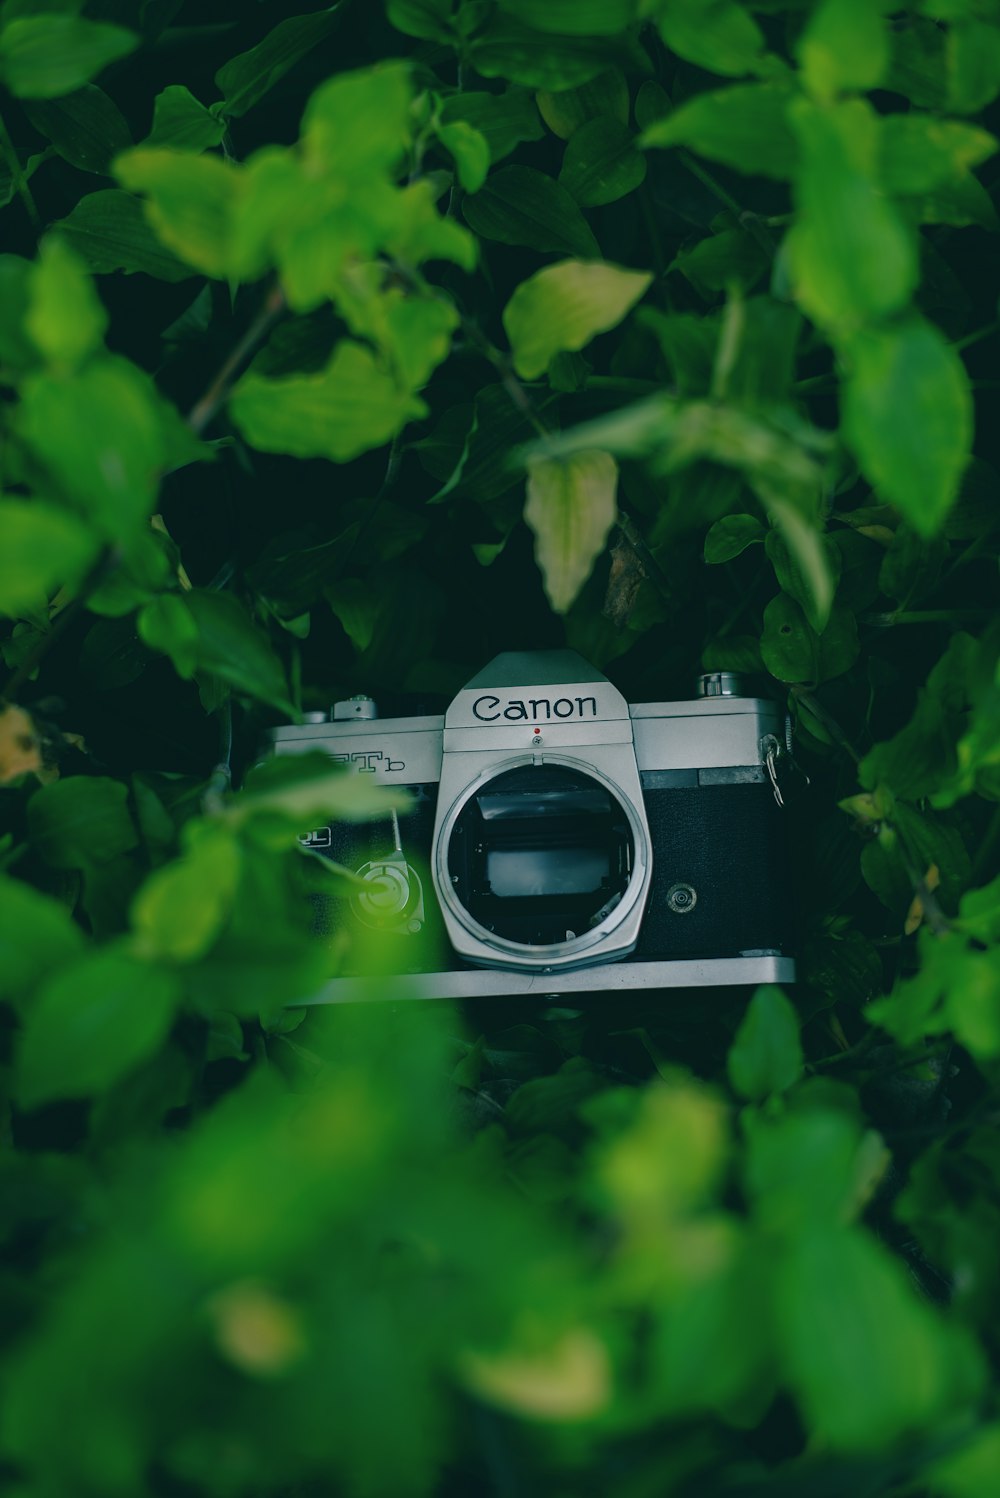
(217, 393)
(20, 180)
(928, 616)
(852, 1053)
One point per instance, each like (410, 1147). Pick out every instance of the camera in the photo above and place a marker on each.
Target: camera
(560, 840)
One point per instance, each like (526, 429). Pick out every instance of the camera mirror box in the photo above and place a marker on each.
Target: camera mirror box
(561, 840)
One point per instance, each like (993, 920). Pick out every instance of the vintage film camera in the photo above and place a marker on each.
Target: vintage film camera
(561, 840)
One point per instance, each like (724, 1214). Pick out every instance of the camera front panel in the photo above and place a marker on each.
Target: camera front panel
(394, 916)
(721, 885)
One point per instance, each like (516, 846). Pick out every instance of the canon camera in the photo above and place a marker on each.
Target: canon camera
(557, 839)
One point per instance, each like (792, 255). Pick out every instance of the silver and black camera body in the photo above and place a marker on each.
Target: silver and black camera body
(561, 840)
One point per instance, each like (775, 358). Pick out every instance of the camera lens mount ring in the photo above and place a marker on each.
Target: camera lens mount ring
(580, 949)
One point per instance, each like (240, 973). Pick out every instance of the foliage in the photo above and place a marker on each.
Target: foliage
(339, 351)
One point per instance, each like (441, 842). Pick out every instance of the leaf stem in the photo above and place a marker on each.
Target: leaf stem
(522, 401)
(971, 338)
(20, 180)
(205, 410)
(501, 363)
(833, 728)
(853, 1053)
(928, 616)
(746, 219)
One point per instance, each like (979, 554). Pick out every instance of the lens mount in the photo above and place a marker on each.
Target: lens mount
(542, 861)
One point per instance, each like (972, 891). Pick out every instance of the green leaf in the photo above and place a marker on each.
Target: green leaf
(109, 231)
(980, 912)
(867, 1360)
(715, 34)
(968, 1471)
(503, 119)
(182, 123)
(745, 127)
(851, 257)
(919, 153)
(605, 96)
(470, 152)
(146, 565)
(430, 20)
(918, 759)
(806, 563)
(307, 791)
(41, 549)
(907, 415)
(247, 78)
(509, 49)
(766, 1054)
(231, 648)
(917, 67)
(688, 345)
(960, 202)
(602, 163)
(973, 64)
(730, 536)
(86, 128)
(733, 258)
(166, 623)
(90, 1025)
(571, 507)
(484, 452)
(37, 934)
(760, 377)
(42, 57)
(370, 110)
(181, 908)
(793, 651)
(911, 566)
(520, 205)
(585, 18)
(81, 821)
(357, 608)
(65, 317)
(564, 306)
(351, 406)
(103, 436)
(812, 1167)
(845, 46)
(191, 204)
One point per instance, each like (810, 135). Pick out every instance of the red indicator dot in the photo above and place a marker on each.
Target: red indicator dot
(537, 730)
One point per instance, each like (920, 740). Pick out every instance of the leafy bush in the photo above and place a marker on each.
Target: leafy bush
(340, 351)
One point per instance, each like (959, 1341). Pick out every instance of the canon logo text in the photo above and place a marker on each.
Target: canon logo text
(490, 709)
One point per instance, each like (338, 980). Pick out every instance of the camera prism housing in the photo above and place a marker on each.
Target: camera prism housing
(561, 840)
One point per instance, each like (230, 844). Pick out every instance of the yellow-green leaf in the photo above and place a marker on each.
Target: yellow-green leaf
(571, 507)
(191, 202)
(564, 306)
(350, 406)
